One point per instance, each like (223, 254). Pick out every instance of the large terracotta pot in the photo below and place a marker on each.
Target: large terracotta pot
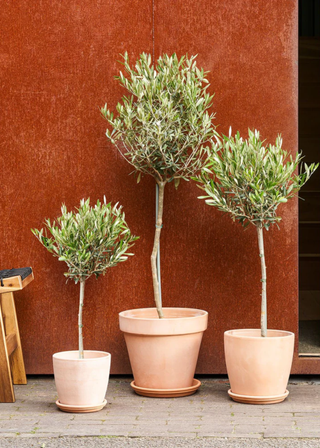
(258, 368)
(81, 383)
(164, 352)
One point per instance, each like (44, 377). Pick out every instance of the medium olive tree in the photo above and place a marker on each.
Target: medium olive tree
(89, 241)
(249, 181)
(162, 127)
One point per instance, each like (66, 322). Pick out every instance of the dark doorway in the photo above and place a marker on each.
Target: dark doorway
(309, 207)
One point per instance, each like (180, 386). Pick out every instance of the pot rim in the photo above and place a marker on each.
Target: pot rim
(239, 330)
(105, 355)
(200, 312)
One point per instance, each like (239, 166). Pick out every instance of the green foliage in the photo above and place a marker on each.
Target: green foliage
(250, 180)
(163, 125)
(89, 240)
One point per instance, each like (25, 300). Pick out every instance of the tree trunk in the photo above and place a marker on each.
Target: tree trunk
(81, 353)
(155, 250)
(159, 248)
(264, 283)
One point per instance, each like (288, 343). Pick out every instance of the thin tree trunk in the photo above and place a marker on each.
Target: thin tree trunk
(264, 283)
(81, 353)
(159, 248)
(155, 250)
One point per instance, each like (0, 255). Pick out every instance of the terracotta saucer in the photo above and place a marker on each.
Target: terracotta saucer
(272, 399)
(167, 393)
(80, 409)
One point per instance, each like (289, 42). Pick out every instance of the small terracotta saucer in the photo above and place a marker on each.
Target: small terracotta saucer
(167, 393)
(272, 399)
(80, 409)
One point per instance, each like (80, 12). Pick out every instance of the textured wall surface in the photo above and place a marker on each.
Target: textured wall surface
(58, 61)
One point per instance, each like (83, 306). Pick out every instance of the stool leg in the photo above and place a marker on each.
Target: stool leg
(11, 326)
(6, 388)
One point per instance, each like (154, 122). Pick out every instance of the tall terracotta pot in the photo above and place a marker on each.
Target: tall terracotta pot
(81, 383)
(164, 352)
(258, 367)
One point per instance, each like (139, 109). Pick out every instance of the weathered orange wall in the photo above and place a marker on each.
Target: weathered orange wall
(58, 61)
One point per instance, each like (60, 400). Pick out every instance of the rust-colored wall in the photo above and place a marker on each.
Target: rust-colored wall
(57, 62)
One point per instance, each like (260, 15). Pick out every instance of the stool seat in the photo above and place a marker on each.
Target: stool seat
(12, 370)
(15, 279)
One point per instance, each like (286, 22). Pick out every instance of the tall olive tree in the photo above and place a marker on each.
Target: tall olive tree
(89, 241)
(162, 127)
(249, 180)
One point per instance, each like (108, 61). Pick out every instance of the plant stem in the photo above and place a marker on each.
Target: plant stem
(81, 353)
(159, 249)
(264, 283)
(155, 250)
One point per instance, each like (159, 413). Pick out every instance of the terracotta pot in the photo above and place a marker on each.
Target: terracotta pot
(163, 352)
(81, 382)
(257, 366)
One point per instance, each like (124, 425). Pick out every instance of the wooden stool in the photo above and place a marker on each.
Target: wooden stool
(12, 369)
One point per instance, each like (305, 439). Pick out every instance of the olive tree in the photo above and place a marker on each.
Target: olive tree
(161, 127)
(89, 241)
(249, 180)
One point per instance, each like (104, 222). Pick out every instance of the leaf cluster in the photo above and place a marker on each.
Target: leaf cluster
(163, 125)
(250, 180)
(89, 240)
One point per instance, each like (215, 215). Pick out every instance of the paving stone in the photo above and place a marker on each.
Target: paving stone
(209, 413)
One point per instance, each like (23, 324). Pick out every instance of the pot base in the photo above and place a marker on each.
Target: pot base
(272, 399)
(80, 409)
(167, 393)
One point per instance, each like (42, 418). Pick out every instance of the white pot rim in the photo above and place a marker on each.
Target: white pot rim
(64, 357)
(237, 334)
(197, 313)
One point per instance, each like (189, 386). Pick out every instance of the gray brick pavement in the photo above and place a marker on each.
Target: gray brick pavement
(198, 420)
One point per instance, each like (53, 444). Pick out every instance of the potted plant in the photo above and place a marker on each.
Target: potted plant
(89, 241)
(162, 128)
(249, 180)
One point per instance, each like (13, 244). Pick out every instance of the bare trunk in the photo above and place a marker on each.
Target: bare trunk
(159, 248)
(264, 283)
(81, 353)
(155, 250)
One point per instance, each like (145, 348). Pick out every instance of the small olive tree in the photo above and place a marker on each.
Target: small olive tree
(162, 127)
(249, 181)
(89, 241)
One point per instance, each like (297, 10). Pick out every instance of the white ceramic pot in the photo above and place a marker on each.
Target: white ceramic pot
(81, 382)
